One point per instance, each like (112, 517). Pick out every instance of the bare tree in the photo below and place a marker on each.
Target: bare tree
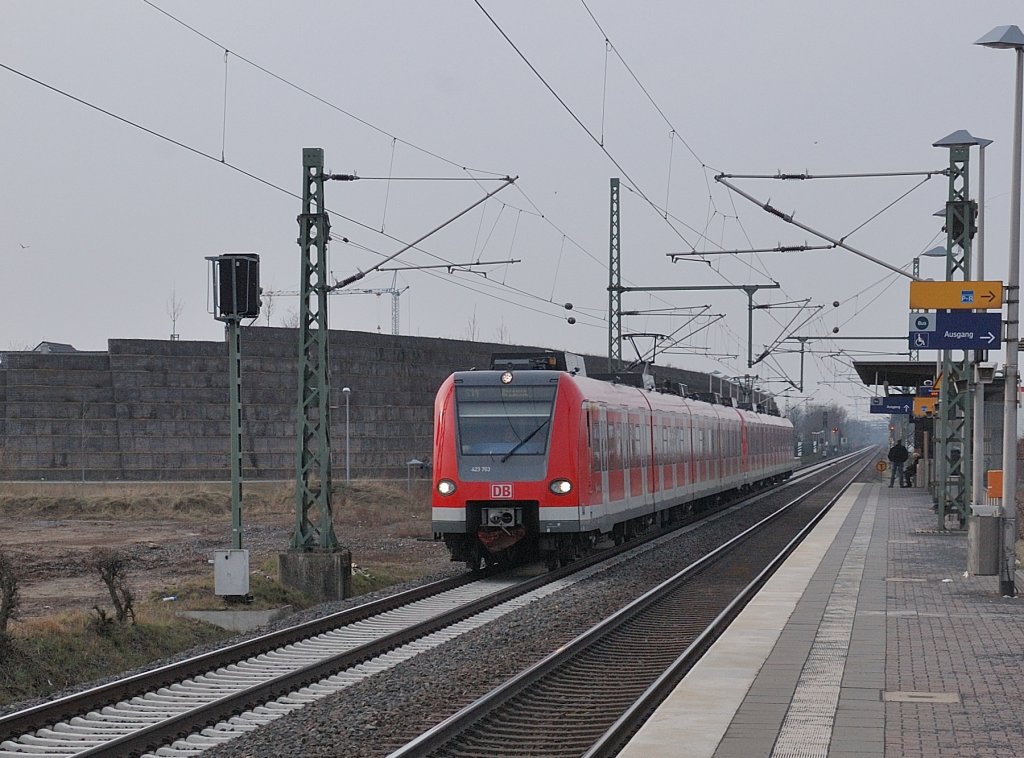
(9, 597)
(291, 319)
(472, 328)
(174, 309)
(268, 305)
(112, 566)
(503, 333)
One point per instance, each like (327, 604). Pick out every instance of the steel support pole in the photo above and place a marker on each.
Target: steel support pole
(233, 332)
(614, 283)
(977, 273)
(314, 526)
(915, 354)
(750, 325)
(1007, 564)
(955, 406)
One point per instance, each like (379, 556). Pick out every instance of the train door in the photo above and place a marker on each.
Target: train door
(716, 449)
(744, 446)
(734, 447)
(635, 429)
(698, 450)
(664, 456)
(597, 454)
(648, 457)
(681, 435)
(616, 473)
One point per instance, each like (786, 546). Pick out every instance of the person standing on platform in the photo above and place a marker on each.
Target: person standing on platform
(910, 472)
(897, 457)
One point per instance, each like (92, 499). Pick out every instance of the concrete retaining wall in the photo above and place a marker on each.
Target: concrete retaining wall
(158, 410)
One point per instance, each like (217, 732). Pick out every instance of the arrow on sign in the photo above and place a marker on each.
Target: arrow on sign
(990, 296)
(989, 338)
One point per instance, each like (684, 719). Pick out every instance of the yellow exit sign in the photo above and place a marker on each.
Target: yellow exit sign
(956, 295)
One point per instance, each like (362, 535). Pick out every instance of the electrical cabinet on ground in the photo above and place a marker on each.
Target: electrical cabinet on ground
(231, 572)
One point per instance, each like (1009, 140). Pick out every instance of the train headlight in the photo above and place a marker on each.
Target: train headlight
(560, 486)
(506, 378)
(446, 486)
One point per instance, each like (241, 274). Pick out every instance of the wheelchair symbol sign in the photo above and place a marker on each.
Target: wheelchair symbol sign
(920, 339)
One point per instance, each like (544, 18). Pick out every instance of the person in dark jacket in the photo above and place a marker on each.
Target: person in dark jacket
(898, 455)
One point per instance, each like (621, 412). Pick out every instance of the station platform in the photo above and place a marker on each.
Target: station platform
(870, 641)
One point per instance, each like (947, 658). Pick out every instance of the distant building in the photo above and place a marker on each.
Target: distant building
(54, 347)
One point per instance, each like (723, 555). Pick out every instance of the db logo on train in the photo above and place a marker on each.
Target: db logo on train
(881, 466)
(501, 491)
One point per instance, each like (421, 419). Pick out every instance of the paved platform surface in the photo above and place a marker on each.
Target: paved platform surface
(870, 642)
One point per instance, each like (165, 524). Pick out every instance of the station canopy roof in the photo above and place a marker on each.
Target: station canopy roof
(895, 373)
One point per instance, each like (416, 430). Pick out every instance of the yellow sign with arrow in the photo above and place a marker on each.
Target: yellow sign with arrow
(956, 295)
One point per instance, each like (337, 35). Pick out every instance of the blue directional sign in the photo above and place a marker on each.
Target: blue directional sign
(956, 330)
(902, 404)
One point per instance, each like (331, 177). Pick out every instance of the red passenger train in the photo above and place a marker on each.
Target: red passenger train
(542, 463)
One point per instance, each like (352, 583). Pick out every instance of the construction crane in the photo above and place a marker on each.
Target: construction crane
(393, 290)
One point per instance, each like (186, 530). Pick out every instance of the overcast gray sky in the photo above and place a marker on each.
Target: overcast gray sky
(103, 223)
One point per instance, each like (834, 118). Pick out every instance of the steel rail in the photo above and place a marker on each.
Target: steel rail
(611, 742)
(34, 717)
(24, 721)
(181, 725)
(446, 731)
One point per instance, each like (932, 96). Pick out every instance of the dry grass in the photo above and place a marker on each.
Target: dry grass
(45, 655)
(374, 503)
(382, 521)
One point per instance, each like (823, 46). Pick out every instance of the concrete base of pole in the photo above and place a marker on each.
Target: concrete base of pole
(324, 575)
(983, 532)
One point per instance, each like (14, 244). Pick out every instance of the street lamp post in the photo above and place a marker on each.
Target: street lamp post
(348, 458)
(978, 274)
(1011, 37)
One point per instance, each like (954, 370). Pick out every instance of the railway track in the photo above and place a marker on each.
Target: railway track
(214, 697)
(587, 698)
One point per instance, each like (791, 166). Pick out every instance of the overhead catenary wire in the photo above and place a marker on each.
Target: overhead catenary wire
(360, 274)
(788, 218)
(223, 159)
(486, 283)
(227, 164)
(639, 83)
(865, 175)
(358, 119)
(313, 95)
(674, 134)
(595, 138)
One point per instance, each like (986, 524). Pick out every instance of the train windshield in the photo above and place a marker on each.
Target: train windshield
(504, 420)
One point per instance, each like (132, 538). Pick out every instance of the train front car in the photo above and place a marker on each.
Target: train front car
(505, 448)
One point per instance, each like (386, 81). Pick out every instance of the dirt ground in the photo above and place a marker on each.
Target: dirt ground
(171, 531)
